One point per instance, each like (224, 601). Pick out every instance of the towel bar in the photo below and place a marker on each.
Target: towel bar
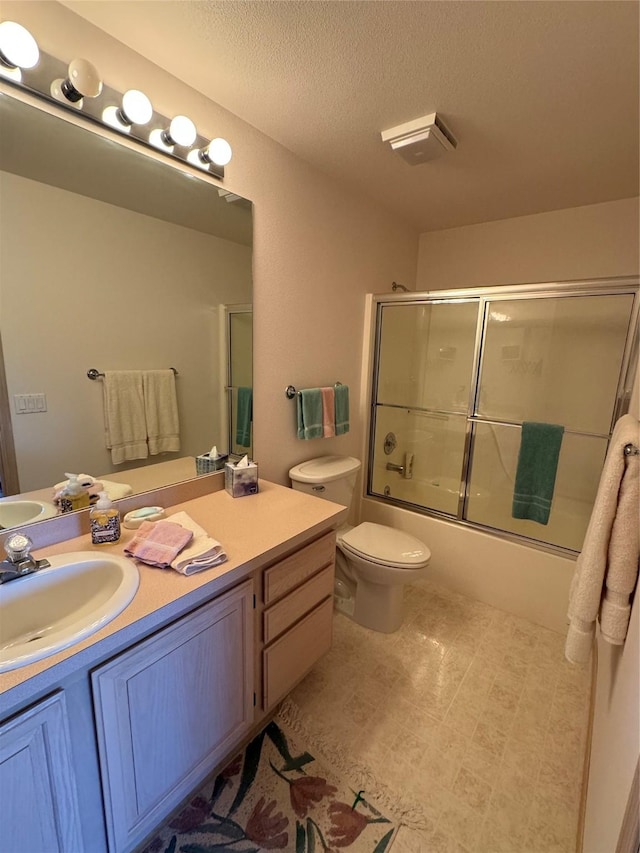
(92, 373)
(291, 392)
(631, 450)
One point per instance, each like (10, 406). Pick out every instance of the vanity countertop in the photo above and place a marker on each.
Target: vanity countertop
(253, 530)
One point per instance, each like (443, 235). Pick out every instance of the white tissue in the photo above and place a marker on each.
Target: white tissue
(213, 453)
(244, 462)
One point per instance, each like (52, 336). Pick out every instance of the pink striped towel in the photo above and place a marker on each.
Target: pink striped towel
(158, 543)
(328, 413)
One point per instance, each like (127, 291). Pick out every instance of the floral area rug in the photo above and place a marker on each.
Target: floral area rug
(276, 796)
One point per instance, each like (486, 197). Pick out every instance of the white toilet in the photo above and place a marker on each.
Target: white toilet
(373, 561)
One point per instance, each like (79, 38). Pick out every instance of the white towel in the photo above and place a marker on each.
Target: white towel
(124, 415)
(114, 491)
(202, 553)
(607, 568)
(161, 411)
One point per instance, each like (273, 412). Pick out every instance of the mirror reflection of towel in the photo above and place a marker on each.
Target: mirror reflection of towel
(124, 416)
(161, 411)
(244, 416)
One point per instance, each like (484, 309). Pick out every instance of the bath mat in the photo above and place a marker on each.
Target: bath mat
(394, 801)
(277, 796)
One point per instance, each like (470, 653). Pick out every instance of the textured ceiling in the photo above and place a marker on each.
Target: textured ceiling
(542, 96)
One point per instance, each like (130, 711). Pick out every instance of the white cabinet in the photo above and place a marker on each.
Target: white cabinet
(39, 810)
(297, 619)
(169, 709)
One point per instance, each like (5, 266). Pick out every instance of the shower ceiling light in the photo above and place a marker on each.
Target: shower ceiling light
(420, 140)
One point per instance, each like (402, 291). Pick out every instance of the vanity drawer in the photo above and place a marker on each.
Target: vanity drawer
(294, 570)
(290, 657)
(289, 609)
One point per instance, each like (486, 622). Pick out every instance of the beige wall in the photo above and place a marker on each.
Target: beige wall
(318, 248)
(596, 241)
(90, 297)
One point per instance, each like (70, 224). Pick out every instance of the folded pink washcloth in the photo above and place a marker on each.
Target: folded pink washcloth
(158, 543)
(328, 412)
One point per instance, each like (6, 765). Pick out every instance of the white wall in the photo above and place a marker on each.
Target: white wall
(596, 241)
(87, 284)
(590, 242)
(318, 248)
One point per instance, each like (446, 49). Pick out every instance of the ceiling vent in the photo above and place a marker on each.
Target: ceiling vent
(420, 140)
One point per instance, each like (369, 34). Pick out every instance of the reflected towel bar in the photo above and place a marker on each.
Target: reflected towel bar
(92, 373)
(291, 392)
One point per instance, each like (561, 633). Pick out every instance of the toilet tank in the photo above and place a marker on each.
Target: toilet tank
(330, 477)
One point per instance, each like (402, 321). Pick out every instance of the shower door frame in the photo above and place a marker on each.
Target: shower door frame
(484, 296)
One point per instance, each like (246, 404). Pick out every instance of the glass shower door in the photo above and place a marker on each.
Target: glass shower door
(554, 360)
(424, 384)
(456, 375)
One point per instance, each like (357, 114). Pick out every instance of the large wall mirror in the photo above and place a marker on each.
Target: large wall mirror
(115, 260)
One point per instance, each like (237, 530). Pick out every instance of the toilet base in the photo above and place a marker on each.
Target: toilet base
(380, 608)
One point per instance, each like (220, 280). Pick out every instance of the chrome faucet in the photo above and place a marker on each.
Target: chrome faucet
(19, 561)
(405, 470)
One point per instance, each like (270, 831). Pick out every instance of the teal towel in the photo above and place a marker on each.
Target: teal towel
(536, 473)
(244, 416)
(309, 403)
(342, 409)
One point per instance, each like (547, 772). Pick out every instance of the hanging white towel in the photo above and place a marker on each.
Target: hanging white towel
(161, 411)
(124, 415)
(607, 568)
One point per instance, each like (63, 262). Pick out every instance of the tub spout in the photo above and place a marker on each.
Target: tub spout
(405, 470)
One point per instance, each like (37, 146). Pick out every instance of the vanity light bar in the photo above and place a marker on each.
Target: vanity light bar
(51, 78)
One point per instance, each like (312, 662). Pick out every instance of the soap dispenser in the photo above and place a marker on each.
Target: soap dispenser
(73, 496)
(105, 521)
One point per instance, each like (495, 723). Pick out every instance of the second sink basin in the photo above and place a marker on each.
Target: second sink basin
(53, 608)
(14, 513)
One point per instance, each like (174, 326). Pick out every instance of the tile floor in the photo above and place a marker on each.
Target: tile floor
(471, 711)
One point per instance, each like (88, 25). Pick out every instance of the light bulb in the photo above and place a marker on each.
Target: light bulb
(83, 82)
(182, 131)
(157, 139)
(18, 48)
(218, 151)
(111, 116)
(136, 107)
(195, 159)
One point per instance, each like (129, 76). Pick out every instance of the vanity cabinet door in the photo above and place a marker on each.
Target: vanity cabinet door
(170, 709)
(39, 810)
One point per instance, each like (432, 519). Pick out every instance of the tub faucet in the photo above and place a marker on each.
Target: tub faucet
(19, 561)
(406, 470)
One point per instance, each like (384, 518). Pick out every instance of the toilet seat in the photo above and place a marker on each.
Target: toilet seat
(385, 546)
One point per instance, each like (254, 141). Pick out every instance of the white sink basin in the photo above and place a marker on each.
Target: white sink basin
(15, 513)
(53, 608)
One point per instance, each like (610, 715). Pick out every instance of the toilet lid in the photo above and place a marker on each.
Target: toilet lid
(386, 546)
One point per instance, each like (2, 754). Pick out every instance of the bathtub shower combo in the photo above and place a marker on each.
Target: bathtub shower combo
(456, 373)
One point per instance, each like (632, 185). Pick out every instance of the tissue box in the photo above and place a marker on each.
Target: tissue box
(241, 481)
(205, 464)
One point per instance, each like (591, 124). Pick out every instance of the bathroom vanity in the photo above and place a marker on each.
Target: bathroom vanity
(99, 743)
